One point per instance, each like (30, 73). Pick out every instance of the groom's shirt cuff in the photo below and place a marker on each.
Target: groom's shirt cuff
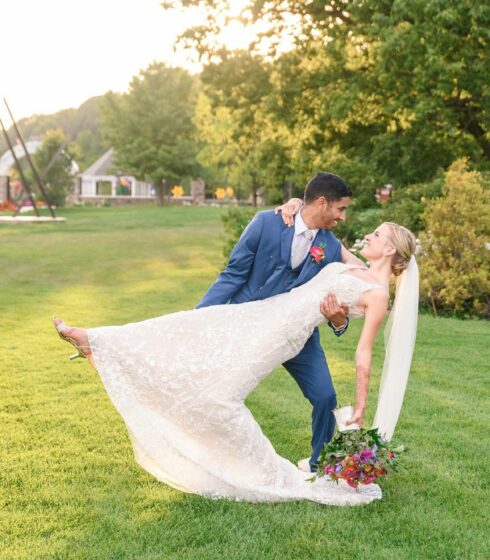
(341, 330)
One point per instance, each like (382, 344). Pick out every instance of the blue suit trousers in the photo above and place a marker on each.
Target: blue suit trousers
(310, 371)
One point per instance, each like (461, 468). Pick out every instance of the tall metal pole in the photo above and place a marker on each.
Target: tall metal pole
(34, 170)
(21, 173)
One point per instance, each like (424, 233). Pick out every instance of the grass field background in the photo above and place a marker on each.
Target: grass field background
(69, 485)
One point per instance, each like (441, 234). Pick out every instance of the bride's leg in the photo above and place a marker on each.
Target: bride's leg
(77, 337)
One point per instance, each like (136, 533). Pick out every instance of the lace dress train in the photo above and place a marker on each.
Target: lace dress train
(179, 382)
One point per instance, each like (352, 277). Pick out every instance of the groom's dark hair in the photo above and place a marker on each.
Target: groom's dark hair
(328, 185)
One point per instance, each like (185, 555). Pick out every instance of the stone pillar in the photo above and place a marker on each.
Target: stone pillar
(198, 191)
(4, 188)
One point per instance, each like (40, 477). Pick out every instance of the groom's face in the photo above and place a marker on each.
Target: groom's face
(331, 213)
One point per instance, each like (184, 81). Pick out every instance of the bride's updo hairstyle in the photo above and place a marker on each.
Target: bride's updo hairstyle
(404, 243)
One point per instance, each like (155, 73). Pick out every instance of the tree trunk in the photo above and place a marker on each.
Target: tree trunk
(434, 308)
(254, 188)
(254, 195)
(469, 121)
(161, 190)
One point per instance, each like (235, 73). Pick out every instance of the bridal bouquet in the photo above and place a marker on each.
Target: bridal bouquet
(358, 456)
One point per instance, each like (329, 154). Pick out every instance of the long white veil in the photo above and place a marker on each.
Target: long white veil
(400, 333)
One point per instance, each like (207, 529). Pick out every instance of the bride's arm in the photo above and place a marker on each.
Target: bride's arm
(376, 306)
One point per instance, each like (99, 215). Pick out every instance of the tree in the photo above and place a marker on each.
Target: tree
(240, 141)
(151, 127)
(88, 147)
(379, 90)
(56, 164)
(455, 260)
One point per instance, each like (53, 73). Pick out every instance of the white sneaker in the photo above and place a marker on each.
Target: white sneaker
(304, 465)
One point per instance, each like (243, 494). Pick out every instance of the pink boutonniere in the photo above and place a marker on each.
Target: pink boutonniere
(317, 253)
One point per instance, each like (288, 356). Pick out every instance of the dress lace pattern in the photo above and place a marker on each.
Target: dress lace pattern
(179, 382)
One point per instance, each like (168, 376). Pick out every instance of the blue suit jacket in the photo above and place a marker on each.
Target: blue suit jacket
(260, 264)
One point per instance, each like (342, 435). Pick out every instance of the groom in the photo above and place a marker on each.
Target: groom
(271, 258)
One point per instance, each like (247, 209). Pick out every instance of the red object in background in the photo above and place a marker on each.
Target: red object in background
(383, 193)
(7, 206)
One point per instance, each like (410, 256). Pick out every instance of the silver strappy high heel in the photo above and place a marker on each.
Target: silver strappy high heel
(60, 328)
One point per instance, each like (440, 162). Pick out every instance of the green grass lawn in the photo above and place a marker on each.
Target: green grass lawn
(69, 485)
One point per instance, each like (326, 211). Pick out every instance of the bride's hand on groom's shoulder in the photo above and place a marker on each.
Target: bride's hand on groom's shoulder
(288, 210)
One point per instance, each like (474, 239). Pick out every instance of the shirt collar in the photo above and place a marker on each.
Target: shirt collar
(300, 226)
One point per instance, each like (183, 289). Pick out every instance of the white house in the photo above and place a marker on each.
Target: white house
(99, 182)
(7, 165)
(7, 162)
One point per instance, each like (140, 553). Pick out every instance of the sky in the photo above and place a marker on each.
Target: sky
(56, 54)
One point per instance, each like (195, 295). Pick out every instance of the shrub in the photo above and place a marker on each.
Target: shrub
(358, 223)
(407, 205)
(235, 221)
(455, 259)
(7, 206)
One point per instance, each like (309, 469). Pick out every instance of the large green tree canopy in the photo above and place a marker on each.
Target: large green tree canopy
(151, 127)
(379, 90)
(240, 139)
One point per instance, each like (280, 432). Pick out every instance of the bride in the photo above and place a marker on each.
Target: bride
(179, 381)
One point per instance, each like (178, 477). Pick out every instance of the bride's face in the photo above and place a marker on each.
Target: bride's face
(378, 243)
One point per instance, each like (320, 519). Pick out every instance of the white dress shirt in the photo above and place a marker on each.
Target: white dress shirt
(302, 241)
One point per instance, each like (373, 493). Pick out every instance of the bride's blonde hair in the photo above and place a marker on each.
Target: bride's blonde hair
(405, 243)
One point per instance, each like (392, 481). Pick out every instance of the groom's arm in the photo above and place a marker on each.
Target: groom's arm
(337, 314)
(237, 271)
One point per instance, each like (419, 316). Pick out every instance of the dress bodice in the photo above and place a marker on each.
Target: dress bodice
(333, 278)
(347, 287)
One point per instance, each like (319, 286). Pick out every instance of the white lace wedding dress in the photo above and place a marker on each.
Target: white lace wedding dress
(179, 381)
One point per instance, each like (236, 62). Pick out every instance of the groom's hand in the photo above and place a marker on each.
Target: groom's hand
(334, 311)
(289, 209)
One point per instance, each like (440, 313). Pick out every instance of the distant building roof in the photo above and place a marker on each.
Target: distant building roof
(103, 166)
(7, 161)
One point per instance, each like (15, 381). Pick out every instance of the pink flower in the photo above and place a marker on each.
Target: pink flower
(366, 454)
(317, 253)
